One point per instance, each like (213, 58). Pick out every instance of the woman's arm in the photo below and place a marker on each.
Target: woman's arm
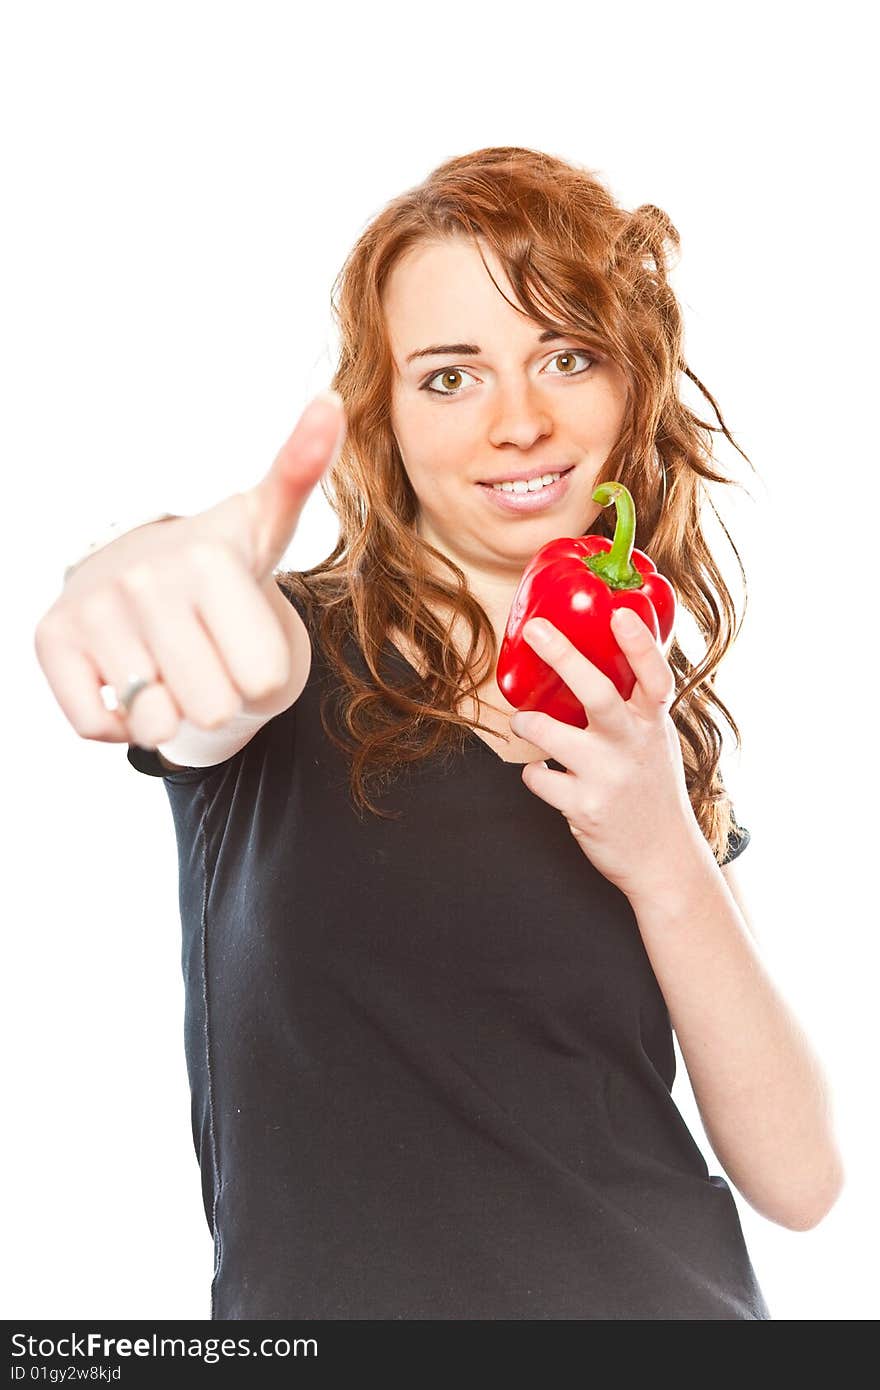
(763, 1097)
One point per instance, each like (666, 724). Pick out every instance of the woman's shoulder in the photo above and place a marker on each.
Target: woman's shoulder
(314, 588)
(298, 592)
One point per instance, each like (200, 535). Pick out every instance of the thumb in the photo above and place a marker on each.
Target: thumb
(275, 504)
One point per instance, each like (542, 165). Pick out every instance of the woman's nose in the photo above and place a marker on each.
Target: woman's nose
(518, 414)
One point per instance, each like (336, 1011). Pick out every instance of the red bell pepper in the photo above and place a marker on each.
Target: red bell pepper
(576, 583)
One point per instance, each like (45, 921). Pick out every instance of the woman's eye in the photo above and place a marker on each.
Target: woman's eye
(447, 371)
(459, 372)
(562, 356)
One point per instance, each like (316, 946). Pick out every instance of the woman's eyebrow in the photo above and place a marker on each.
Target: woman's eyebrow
(470, 349)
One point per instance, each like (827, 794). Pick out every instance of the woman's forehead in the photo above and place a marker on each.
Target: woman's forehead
(441, 294)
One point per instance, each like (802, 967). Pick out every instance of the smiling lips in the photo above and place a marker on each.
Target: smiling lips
(533, 496)
(527, 476)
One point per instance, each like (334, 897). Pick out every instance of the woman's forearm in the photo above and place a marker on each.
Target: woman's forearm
(761, 1091)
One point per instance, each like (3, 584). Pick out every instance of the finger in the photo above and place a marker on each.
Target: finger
(76, 683)
(115, 644)
(77, 676)
(277, 501)
(554, 737)
(654, 689)
(240, 622)
(558, 789)
(153, 715)
(596, 692)
(183, 654)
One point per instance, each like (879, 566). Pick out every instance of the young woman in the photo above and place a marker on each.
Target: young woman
(434, 955)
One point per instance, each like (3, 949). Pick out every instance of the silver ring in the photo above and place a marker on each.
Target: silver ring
(135, 685)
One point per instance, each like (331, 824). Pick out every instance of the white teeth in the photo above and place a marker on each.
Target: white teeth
(533, 485)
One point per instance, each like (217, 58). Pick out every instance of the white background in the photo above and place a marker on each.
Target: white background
(181, 184)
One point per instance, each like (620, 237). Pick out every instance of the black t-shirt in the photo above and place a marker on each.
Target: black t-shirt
(429, 1059)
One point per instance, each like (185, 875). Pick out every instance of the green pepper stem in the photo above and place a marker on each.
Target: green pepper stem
(615, 565)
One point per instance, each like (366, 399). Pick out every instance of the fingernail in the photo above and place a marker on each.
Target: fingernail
(537, 630)
(332, 397)
(626, 620)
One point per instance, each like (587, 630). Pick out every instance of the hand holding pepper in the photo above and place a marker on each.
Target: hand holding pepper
(624, 795)
(599, 694)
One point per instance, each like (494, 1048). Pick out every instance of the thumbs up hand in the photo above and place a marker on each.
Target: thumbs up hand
(262, 531)
(191, 606)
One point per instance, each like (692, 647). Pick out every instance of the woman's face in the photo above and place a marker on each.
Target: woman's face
(501, 404)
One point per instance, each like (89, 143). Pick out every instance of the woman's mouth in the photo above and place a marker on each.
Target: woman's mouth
(535, 496)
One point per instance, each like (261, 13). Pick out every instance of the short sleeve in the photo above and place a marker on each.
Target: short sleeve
(737, 840)
(147, 761)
